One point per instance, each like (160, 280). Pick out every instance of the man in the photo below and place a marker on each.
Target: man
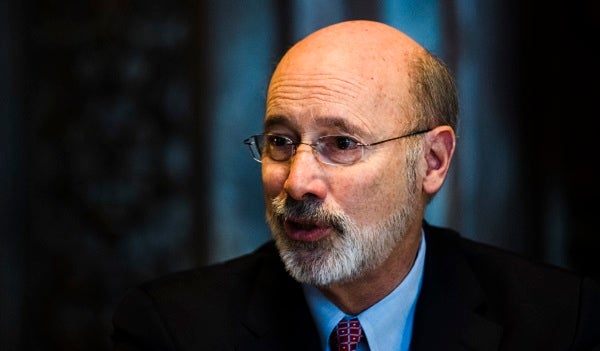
(358, 137)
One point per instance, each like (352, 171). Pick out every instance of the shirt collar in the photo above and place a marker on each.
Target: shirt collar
(395, 312)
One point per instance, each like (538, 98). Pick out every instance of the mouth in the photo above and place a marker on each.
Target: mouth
(305, 230)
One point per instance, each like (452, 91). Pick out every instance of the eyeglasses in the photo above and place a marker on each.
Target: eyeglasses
(329, 149)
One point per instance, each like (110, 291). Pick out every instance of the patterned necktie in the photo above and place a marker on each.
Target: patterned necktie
(346, 335)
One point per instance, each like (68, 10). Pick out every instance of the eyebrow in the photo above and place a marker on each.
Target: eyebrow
(338, 123)
(275, 121)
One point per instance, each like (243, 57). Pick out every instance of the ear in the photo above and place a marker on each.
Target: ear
(441, 142)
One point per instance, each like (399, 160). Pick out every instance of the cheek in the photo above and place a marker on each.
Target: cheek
(371, 196)
(273, 178)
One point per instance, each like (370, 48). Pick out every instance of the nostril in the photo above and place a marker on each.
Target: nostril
(309, 197)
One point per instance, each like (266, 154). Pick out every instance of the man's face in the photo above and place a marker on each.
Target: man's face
(332, 223)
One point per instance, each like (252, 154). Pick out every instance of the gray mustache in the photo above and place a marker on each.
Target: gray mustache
(308, 210)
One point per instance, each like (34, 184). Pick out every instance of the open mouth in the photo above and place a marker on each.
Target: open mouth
(305, 230)
(301, 225)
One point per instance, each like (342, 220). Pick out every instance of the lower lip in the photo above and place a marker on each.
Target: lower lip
(314, 234)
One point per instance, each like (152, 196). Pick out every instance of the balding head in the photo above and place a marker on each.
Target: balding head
(354, 44)
(379, 68)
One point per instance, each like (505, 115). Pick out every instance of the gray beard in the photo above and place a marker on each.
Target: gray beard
(339, 258)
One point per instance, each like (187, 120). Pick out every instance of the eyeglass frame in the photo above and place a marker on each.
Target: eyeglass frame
(257, 153)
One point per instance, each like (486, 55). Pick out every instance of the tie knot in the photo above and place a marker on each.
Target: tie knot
(347, 334)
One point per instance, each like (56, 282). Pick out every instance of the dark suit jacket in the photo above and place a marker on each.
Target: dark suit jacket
(474, 297)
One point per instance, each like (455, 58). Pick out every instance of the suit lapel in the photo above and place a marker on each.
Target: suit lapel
(278, 317)
(448, 314)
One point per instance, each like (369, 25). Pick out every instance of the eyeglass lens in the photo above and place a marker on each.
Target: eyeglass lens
(332, 149)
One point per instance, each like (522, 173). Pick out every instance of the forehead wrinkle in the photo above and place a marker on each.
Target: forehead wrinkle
(325, 87)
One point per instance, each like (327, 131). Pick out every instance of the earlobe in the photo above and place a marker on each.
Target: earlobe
(441, 143)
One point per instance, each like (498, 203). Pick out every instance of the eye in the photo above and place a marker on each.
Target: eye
(342, 142)
(278, 141)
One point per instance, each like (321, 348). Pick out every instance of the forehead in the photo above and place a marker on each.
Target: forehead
(342, 101)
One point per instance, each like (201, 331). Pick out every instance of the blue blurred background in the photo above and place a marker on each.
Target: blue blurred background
(121, 155)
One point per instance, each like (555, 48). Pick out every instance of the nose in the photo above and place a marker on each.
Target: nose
(306, 178)
(313, 147)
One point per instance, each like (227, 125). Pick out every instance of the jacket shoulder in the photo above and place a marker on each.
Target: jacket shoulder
(501, 265)
(180, 307)
(226, 275)
(532, 300)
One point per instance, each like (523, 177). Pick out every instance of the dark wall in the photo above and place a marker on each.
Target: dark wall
(556, 68)
(104, 132)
